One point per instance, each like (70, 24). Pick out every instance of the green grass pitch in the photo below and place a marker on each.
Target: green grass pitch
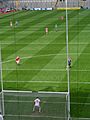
(43, 56)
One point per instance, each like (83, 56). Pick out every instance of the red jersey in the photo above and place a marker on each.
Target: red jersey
(17, 59)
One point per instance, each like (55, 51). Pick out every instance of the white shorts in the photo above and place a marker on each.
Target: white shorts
(18, 61)
(37, 106)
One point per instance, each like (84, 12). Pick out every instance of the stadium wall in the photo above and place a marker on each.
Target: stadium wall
(45, 4)
(31, 4)
(73, 4)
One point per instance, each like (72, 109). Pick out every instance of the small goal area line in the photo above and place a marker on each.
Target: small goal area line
(41, 116)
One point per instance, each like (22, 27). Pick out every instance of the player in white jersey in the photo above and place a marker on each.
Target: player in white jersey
(46, 30)
(37, 105)
(1, 117)
(11, 24)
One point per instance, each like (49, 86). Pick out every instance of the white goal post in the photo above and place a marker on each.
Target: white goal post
(52, 102)
(1, 87)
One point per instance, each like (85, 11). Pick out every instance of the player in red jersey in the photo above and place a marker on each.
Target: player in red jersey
(17, 59)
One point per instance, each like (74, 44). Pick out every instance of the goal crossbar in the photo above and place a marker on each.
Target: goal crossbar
(41, 92)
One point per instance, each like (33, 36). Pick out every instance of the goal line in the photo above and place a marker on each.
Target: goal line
(35, 116)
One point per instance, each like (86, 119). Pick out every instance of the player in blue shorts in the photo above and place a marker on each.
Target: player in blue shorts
(69, 62)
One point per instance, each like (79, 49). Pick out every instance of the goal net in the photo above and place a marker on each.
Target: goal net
(19, 105)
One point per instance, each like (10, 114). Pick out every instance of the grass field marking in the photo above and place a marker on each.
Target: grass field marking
(12, 81)
(48, 70)
(35, 116)
(81, 43)
(52, 82)
(8, 61)
(79, 103)
(36, 69)
(14, 59)
(86, 31)
(27, 57)
(31, 57)
(10, 115)
(81, 118)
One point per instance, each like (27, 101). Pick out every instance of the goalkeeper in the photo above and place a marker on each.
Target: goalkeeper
(37, 105)
(1, 117)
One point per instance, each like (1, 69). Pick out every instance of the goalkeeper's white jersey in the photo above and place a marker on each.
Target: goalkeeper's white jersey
(1, 117)
(37, 102)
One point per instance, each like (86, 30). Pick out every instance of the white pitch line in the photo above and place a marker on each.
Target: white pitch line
(14, 59)
(10, 115)
(38, 81)
(36, 69)
(31, 57)
(8, 61)
(47, 43)
(57, 70)
(34, 81)
(81, 118)
(43, 56)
